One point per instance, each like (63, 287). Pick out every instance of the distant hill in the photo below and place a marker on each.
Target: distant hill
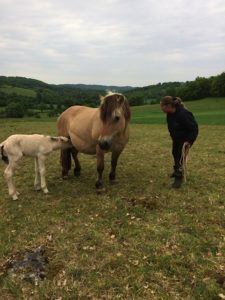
(80, 93)
(34, 92)
(8, 89)
(95, 87)
(22, 82)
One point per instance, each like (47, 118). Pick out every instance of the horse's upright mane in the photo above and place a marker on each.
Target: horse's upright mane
(112, 101)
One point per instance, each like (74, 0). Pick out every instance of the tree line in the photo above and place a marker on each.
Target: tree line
(188, 91)
(53, 99)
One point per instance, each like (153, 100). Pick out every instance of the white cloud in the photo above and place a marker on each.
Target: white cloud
(112, 42)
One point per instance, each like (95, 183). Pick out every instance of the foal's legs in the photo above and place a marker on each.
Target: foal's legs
(37, 180)
(65, 159)
(114, 159)
(100, 168)
(77, 168)
(8, 173)
(41, 166)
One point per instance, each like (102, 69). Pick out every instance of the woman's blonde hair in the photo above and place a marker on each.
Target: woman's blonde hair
(173, 101)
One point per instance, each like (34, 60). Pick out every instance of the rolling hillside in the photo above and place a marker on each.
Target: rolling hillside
(35, 95)
(209, 111)
(18, 90)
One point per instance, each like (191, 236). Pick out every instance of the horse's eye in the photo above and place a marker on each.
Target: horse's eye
(117, 118)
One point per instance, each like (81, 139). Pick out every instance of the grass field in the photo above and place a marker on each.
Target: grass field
(207, 111)
(139, 240)
(19, 91)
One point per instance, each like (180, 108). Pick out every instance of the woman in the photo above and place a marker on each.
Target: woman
(183, 129)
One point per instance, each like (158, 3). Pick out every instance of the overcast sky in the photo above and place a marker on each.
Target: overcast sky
(112, 42)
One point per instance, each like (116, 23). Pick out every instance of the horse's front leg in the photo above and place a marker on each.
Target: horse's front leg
(114, 159)
(42, 171)
(100, 167)
(8, 173)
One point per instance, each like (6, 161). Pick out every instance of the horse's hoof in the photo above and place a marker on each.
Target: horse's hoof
(98, 184)
(76, 173)
(112, 176)
(37, 188)
(101, 190)
(113, 181)
(14, 197)
(65, 177)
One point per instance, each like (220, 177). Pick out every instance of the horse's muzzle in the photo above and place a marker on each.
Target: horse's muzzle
(105, 144)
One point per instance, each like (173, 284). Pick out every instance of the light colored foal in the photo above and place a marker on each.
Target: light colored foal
(35, 145)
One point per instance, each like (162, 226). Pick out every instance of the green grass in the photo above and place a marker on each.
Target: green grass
(139, 240)
(19, 91)
(209, 111)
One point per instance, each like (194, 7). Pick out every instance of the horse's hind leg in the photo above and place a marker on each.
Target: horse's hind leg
(65, 159)
(77, 168)
(37, 180)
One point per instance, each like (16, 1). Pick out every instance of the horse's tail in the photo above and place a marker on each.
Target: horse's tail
(2, 155)
(183, 160)
(1, 151)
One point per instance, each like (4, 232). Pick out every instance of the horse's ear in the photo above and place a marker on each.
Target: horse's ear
(126, 109)
(64, 139)
(120, 99)
(54, 138)
(101, 99)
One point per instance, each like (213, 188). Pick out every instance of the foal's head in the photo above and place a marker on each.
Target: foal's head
(115, 114)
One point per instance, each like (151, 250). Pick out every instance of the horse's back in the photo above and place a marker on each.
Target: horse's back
(74, 116)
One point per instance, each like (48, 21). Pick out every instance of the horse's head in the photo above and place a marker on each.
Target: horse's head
(115, 114)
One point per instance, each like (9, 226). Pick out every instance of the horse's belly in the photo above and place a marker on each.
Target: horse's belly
(90, 151)
(83, 146)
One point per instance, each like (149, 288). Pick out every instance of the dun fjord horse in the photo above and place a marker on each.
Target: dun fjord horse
(95, 131)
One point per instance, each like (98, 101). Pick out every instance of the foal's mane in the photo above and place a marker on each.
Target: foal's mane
(112, 101)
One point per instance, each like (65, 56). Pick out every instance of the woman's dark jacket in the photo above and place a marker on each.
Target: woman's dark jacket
(182, 125)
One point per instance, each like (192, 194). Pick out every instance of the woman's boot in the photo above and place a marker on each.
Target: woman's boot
(178, 179)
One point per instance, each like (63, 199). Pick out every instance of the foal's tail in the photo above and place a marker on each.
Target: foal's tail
(2, 155)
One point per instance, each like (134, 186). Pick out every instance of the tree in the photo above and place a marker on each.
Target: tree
(218, 85)
(14, 110)
(3, 99)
